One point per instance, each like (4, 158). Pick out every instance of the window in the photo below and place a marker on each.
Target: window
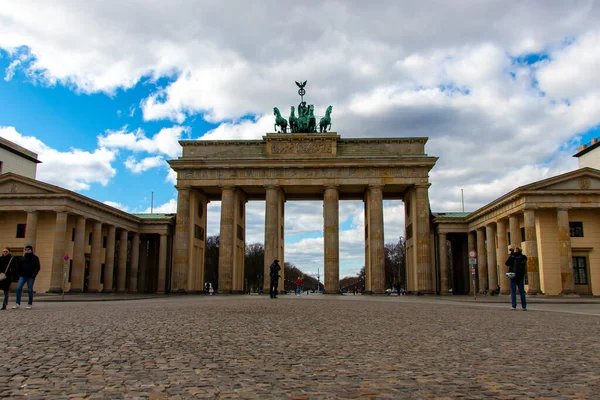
(21, 230)
(70, 269)
(241, 209)
(102, 272)
(576, 229)
(73, 236)
(580, 270)
(104, 242)
(200, 209)
(240, 233)
(523, 235)
(90, 238)
(408, 208)
(508, 234)
(198, 232)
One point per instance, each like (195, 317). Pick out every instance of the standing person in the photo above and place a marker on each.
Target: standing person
(274, 275)
(7, 266)
(206, 288)
(516, 263)
(29, 267)
(299, 286)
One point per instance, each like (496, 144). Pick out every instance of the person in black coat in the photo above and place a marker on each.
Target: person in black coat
(29, 267)
(274, 275)
(7, 266)
(517, 268)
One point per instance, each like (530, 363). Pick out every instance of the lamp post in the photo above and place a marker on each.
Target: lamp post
(318, 281)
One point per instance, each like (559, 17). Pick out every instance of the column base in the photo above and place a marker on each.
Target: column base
(445, 294)
(75, 291)
(569, 293)
(533, 292)
(93, 291)
(503, 291)
(55, 290)
(107, 291)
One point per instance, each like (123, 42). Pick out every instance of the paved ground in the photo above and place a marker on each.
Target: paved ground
(308, 347)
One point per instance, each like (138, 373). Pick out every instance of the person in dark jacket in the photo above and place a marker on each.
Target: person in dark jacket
(7, 266)
(517, 268)
(29, 267)
(274, 275)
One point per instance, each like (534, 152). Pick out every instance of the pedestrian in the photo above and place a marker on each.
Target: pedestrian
(28, 267)
(299, 286)
(7, 268)
(206, 288)
(517, 268)
(274, 275)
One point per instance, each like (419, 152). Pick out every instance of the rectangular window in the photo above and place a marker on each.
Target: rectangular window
(198, 232)
(90, 238)
(73, 235)
(409, 232)
(523, 235)
(576, 229)
(21, 230)
(580, 270)
(70, 269)
(102, 273)
(104, 242)
(508, 234)
(240, 233)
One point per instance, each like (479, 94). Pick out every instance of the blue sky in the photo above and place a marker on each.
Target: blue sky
(103, 91)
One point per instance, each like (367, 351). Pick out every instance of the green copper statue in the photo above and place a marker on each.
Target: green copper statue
(305, 122)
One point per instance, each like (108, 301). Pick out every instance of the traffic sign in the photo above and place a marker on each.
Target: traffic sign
(473, 261)
(472, 254)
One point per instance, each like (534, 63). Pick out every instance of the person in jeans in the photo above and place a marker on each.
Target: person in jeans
(29, 267)
(298, 286)
(7, 266)
(517, 267)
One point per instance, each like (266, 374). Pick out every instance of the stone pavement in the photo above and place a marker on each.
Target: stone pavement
(308, 347)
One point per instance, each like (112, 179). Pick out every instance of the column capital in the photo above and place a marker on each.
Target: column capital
(227, 187)
(376, 185)
(422, 185)
(272, 186)
(331, 186)
(563, 208)
(183, 187)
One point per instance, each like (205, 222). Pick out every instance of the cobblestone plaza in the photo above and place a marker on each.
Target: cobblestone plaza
(307, 347)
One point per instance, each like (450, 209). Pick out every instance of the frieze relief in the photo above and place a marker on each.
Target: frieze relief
(301, 147)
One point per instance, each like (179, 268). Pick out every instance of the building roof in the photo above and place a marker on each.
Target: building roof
(18, 150)
(586, 148)
(153, 215)
(451, 214)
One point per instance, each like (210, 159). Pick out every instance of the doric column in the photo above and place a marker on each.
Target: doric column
(272, 235)
(135, 257)
(182, 241)
(490, 234)
(78, 270)
(564, 250)
(482, 271)
(472, 245)
(109, 260)
(58, 262)
(143, 265)
(94, 276)
(531, 251)
(515, 231)
(31, 229)
(226, 244)
(162, 265)
(443, 252)
(331, 238)
(424, 271)
(122, 267)
(502, 256)
(375, 238)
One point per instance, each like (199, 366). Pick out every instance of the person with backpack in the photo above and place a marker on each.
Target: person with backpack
(7, 268)
(517, 268)
(274, 275)
(29, 267)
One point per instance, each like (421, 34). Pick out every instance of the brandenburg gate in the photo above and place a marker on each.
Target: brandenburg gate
(300, 165)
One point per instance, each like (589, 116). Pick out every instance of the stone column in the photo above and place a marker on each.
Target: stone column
(94, 276)
(443, 252)
(482, 270)
(182, 241)
(143, 265)
(530, 250)
(122, 267)
(424, 270)
(31, 229)
(567, 276)
(515, 231)
(472, 245)
(162, 265)
(376, 238)
(135, 258)
(272, 233)
(226, 244)
(502, 256)
(331, 239)
(58, 262)
(490, 234)
(78, 270)
(109, 260)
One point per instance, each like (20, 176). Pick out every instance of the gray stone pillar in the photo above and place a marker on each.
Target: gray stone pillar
(109, 260)
(31, 229)
(182, 242)
(273, 233)
(502, 256)
(226, 244)
(94, 276)
(531, 251)
(443, 252)
(122, 267)
(492, 265)
(162, 265)
(78, 270)
(567, 276)
(58, 262)
(423, 239)
(472, 245)
(515, 231)
(482, 270)
(143, 265)
(331, 239)
(135, 257)
(376, 238)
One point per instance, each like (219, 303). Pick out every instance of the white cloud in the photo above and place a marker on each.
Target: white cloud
(137, 167)
(166, 141)
(170, 207)
(76, 169)
(117, 205)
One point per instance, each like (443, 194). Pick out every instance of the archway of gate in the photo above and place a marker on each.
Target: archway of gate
(286, 167)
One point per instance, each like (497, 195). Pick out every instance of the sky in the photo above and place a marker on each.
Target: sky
(103, 90)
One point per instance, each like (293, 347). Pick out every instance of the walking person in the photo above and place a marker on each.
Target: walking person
(29, 267)
(274, 275)
(299, 286)
(7, 267)
(517, 268)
